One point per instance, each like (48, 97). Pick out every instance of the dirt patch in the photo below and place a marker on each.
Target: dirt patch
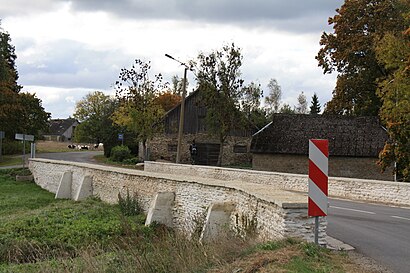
(265, 261)
(283, 260)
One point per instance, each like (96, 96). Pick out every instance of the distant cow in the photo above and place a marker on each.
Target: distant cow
(71, 146)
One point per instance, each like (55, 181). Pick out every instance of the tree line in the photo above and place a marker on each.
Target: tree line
(19, 112)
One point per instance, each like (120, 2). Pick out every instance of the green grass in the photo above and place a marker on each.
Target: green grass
(11, 160)
(32, 222)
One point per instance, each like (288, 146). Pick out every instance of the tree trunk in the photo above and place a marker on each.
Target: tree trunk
(144, 149)
(221, 151)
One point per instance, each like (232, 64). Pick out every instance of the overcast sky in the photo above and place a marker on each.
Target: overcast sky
(66, 49)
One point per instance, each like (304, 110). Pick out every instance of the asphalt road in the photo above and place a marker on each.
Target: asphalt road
(376, 231)
(81, 156)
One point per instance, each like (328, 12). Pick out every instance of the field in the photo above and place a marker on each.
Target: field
(58, 147)
(41, 234)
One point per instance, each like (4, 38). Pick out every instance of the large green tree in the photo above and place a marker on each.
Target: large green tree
(220, 85)
(9, 88)
(394, 52)
(350, 50)
(94, 113)
(32, 116)
(139, 109)
(254, 115)
(19, 112)
(314, 105)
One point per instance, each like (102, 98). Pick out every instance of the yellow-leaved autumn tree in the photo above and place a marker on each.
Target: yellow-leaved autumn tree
(139, 109)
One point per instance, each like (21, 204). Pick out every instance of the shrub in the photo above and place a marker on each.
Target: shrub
(129, 205)
(131, 161)
(12, 147)
(119, 153)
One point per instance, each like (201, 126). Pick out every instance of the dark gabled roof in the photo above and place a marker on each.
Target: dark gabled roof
(348, 136)
(59, 126)
(195, 110)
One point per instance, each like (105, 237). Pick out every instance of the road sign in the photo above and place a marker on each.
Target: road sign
(318, 177)
(1, 134)
(120, 136)
(24, 137)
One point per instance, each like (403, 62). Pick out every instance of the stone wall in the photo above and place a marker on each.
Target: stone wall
(354, 167)
(159, 147)
(275, 214)
(348, 188)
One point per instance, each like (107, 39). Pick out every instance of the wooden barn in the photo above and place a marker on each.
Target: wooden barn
(236, 149)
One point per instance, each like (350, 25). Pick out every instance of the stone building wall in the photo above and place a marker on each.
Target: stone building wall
(278, 214)
(164, 147)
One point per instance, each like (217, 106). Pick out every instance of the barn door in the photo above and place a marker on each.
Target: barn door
(207, 153)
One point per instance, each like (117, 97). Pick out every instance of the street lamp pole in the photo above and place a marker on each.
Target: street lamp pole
(182, 110)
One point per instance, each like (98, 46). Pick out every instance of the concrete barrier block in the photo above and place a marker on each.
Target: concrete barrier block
(217, 220)
(64, 188)
(160, 210)
(86, 188)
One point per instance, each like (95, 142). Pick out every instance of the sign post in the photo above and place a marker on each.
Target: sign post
(24, 137)
(318, 181)
(121, 137)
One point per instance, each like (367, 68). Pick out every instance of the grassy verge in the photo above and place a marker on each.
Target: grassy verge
(11, 160)
(41, 234)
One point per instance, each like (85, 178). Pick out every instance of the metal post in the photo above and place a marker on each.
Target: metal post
(317, 230)
(33, 150)
(24, 149)
(181, 119)
(395, 171)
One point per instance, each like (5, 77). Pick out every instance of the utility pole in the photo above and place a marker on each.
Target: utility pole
(182, 110)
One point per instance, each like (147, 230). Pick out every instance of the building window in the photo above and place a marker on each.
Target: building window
(240, 149)
(172, 148)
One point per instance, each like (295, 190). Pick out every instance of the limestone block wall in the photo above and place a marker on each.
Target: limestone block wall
(396, 193)
(271, 217)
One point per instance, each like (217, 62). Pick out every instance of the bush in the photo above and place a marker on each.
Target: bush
(119, 153)
(11, 147)
(131, 161)
(129, 205)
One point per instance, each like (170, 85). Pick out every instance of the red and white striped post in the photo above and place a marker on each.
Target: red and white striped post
(318, 181)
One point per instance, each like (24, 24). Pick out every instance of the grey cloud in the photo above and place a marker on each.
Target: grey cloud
(304, 14)
(22, 7)
(70, 64)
